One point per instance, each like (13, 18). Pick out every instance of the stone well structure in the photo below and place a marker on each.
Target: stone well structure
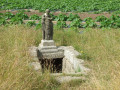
(48, 51)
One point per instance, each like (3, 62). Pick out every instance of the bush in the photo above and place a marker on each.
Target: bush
(61, 24)
(71, 17)
(61, 17)
(34, 17)
(76, 23)
(89, 23)
(22, 15)
(2, 21)
(16, 20)
(100, 18)
(53, 16)
(31, 23)
(39, 25)
(8, 15)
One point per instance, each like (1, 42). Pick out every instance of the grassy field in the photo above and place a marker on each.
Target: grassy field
(63, 5)
(102, 46)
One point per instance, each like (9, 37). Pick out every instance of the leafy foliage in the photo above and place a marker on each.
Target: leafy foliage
(31, 23)
(8, 15)
(61, 17)
(62, 5)
(2, 21)
(53, 16)
(100, 18)
(1, 14)
(16, 20)
(34, 17)
(76, 23)
(22, 15)
(89, 22)
(61, 24)
(71, 17)
(39, 25)
(112, 22)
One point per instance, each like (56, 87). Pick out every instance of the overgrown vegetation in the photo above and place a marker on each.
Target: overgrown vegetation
(101, 45)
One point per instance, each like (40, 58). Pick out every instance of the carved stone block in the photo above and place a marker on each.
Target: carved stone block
(48, 50)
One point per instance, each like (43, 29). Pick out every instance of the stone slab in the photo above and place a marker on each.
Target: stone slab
(63, 79)
(48, 50)
(50, 54)
(47, 43)
(67, 67)
(46, 47)
(71, 56)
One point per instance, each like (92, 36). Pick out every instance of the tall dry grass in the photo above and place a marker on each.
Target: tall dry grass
(101, 46)
(15, 71)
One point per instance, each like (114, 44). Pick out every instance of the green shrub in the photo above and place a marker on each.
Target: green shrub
(61, 17)
(114, 17)
(76, 23)
(112, 22)
(89, 23)
(100, 18)
(16, 20)
(1, 14)
(34, 17)
(71, 17)
(53, 16)
(61, 24)
(31, 23)
(8, 15)
(22, 15)
(39, 25)
(2, 21)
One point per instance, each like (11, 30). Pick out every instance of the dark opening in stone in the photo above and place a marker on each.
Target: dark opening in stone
(53, 65)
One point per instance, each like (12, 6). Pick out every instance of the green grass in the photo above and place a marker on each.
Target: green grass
(101, 45)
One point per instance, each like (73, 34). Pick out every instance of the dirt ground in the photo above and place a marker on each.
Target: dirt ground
(82, 15)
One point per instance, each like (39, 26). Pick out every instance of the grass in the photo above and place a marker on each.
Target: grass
(15, 72)
(101, 45)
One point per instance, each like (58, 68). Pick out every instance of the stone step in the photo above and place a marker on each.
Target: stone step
(49, 50)
(63, 79)
(46, 47)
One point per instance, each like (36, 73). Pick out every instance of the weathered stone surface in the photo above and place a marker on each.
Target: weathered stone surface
(51, 55)
(47, 26)
(48, 50)
(46, 43)
(63, 79)
(72, 60)
(71, 64)
(67, 66)
(33, 53)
